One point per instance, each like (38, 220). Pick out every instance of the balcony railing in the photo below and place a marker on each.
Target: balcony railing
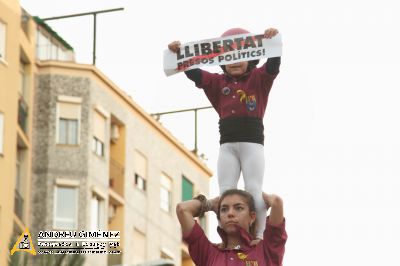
(19, 205)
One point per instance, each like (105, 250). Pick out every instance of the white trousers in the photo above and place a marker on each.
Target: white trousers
(248, 158)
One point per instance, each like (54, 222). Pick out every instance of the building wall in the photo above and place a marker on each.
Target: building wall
(8, 107)
(52, 160)
(18, 47)
(54, 163)
(159, 230)
(62, 162)
(142, 209)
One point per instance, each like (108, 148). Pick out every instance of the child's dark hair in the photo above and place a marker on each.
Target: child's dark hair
(247, 197)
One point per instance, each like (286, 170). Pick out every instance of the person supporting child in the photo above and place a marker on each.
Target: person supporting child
(240, 97)
(236, 214)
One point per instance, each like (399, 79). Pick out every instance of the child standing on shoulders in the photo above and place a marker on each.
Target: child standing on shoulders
(240, 97)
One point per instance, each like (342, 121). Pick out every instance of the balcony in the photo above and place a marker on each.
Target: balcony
(22, 113)
(117, 177)
(19, 205)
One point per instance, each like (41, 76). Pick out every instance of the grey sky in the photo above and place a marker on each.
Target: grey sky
(332, 121)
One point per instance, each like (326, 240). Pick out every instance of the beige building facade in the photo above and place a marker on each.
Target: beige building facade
(125, 168)
(17, 66)
(77, 153)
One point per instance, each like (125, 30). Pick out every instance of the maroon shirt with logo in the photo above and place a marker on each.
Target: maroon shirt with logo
(268, 252)
(243, 97)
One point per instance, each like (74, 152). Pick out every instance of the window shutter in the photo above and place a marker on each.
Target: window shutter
(99, 126)
(187, 189)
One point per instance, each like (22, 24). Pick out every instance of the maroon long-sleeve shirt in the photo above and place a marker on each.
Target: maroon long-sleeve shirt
(268, 252)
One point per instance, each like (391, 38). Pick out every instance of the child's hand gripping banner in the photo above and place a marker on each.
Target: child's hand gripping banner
(221, 51)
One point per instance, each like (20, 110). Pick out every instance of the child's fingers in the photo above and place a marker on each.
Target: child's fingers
(269, 33)
(174, 46)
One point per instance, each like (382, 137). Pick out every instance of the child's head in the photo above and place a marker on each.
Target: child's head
(238, 69)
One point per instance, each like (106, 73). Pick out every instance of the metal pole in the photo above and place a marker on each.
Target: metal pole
(85, 14)
(94, 39)
(195, 131)
(94, 13)
(157, 116)
(180, 111)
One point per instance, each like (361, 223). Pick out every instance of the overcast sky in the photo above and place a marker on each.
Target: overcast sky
(332, 122)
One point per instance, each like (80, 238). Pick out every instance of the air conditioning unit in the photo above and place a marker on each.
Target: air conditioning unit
(114, 132)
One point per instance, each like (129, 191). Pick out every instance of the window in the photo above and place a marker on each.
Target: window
(165, 193)
(97, 147)
(140, 166)
(68, 123)
(68, 131)
(66, 208)
(99, 129)
(140, 182)
(97, 212)
(47, 49)
(2, 42)
(187, 189)
(1, 133)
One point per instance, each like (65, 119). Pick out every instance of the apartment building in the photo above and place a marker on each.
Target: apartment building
(17, 66)
(102, 163)
(77, 153)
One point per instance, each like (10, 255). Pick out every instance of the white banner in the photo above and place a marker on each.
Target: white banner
(221, 51)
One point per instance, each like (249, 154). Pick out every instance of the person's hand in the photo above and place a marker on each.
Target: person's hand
(214, 204)
(174, 46)
(271, 32)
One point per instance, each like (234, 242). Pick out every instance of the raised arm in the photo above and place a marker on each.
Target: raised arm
(193, 74)
(276, 204)
(275, 234)
(187, 210)
(273, 63)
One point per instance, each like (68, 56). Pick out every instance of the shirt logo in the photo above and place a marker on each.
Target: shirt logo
(241, 256)
(226, 90)
(251, 102)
